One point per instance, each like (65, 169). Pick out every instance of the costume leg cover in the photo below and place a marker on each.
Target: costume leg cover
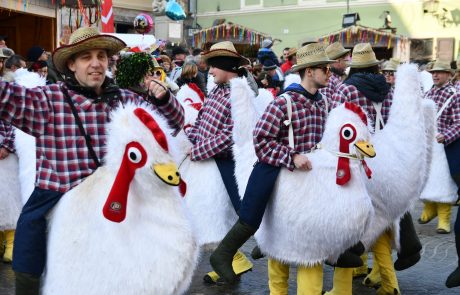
(454, 278)
(444, 212)
(382, 255)
(409, 254)
(9, 238)
(362, 270)
(310, 280)
(241, 264)
(373, 279)
(429, 212)
(27, 284)
(221, 259)
(342, 282)
(278, 276)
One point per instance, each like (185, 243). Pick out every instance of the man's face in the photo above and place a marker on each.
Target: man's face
(220, 76)
(341, 63)
(44, 56)
(2, 43)
(179, 56)
(285, 54)
(389, 77)
(440, 78)
(89, 68)
(319, 75)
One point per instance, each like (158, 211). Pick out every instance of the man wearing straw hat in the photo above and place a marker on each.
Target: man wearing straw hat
(291, 60)
(56, 115)
(211, 134)
(271, 142)
(341, 55)
(456, 78)
(369, 89)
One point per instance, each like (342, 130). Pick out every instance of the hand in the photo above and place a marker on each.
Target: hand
(157, 89)
(301, 162)
(3, 153)
(440, 138)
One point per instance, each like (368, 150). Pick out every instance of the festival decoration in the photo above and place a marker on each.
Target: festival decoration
(143, 23)
(174, 11)
(359, 34)
(230, 32)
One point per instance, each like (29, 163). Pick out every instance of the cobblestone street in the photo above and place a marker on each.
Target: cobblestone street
(427, 277)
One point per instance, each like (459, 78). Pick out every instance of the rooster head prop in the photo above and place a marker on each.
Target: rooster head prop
(138, 154)
(349, 140)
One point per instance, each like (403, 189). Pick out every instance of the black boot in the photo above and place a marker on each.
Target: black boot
(454, 278)
(410, 244)
(256, 253)
(351, 257)
(27, 284)
(221, 258)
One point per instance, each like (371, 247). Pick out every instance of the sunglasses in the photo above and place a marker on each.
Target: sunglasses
(388, 73)
(156, 73)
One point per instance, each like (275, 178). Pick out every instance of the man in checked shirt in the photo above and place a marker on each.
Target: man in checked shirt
(342, 56)
(271, 142)
(63, 158)
(447, 99)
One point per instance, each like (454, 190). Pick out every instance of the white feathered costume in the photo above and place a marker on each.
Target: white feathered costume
(404, 152)
(309, 218)
(151, 251)
(18, 170)
(207, 200)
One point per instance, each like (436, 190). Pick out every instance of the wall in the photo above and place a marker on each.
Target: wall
(296, 20)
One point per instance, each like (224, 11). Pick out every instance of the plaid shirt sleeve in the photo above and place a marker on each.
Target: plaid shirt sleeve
(266, 134)
(450, 127)
(172, 110)
(28, 109)
(7, 132)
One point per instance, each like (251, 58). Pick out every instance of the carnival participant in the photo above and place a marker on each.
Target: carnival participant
(342, 56)
(84, 100)
(274, 152)
(291, 60)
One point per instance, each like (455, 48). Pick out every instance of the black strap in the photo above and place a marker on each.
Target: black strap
(91, 151)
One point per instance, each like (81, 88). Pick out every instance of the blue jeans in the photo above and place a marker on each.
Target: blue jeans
(227, 172)
(29, 252)
(258, 191)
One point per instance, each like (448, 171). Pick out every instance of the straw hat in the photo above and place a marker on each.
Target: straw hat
(311, 55)
(391, 65)
(224, 48)
(291, 51)
(441, 66)
(6, 52)
(336, 50)
(363, 56)
(83, 39)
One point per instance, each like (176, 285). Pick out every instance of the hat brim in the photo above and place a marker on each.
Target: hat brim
(269, 68)
(225, 52)
(298, 67)
(364, 65)
(110, 43)
(340, 54)
(440, 70)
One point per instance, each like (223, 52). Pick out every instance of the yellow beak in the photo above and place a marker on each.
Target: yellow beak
(168, 173)
(365, 148)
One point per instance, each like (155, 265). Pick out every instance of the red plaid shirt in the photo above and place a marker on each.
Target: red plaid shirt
(347, 92)
(211, 134)
(449, 121)
(7, 136)
(63, 160)
(271, 136)
(457, 85)
(332, 84)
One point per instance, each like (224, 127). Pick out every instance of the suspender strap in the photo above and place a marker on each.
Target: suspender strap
(288, 122)
(379, 124)
(91, 151)
(444, 106)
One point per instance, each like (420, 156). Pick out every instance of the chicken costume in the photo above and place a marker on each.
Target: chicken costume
(131, 214)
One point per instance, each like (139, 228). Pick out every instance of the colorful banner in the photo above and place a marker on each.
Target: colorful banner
(107, 17)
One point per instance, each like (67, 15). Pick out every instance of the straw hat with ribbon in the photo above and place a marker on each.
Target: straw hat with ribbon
(336, 50)
(85, 38)
(224, 49)
(311, 55)
(391, 65)
(441, 66)
(363, 56)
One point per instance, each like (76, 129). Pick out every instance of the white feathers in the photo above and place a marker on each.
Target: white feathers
(28, 79)
(291, 78)
(10, 199)
(153, 251)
